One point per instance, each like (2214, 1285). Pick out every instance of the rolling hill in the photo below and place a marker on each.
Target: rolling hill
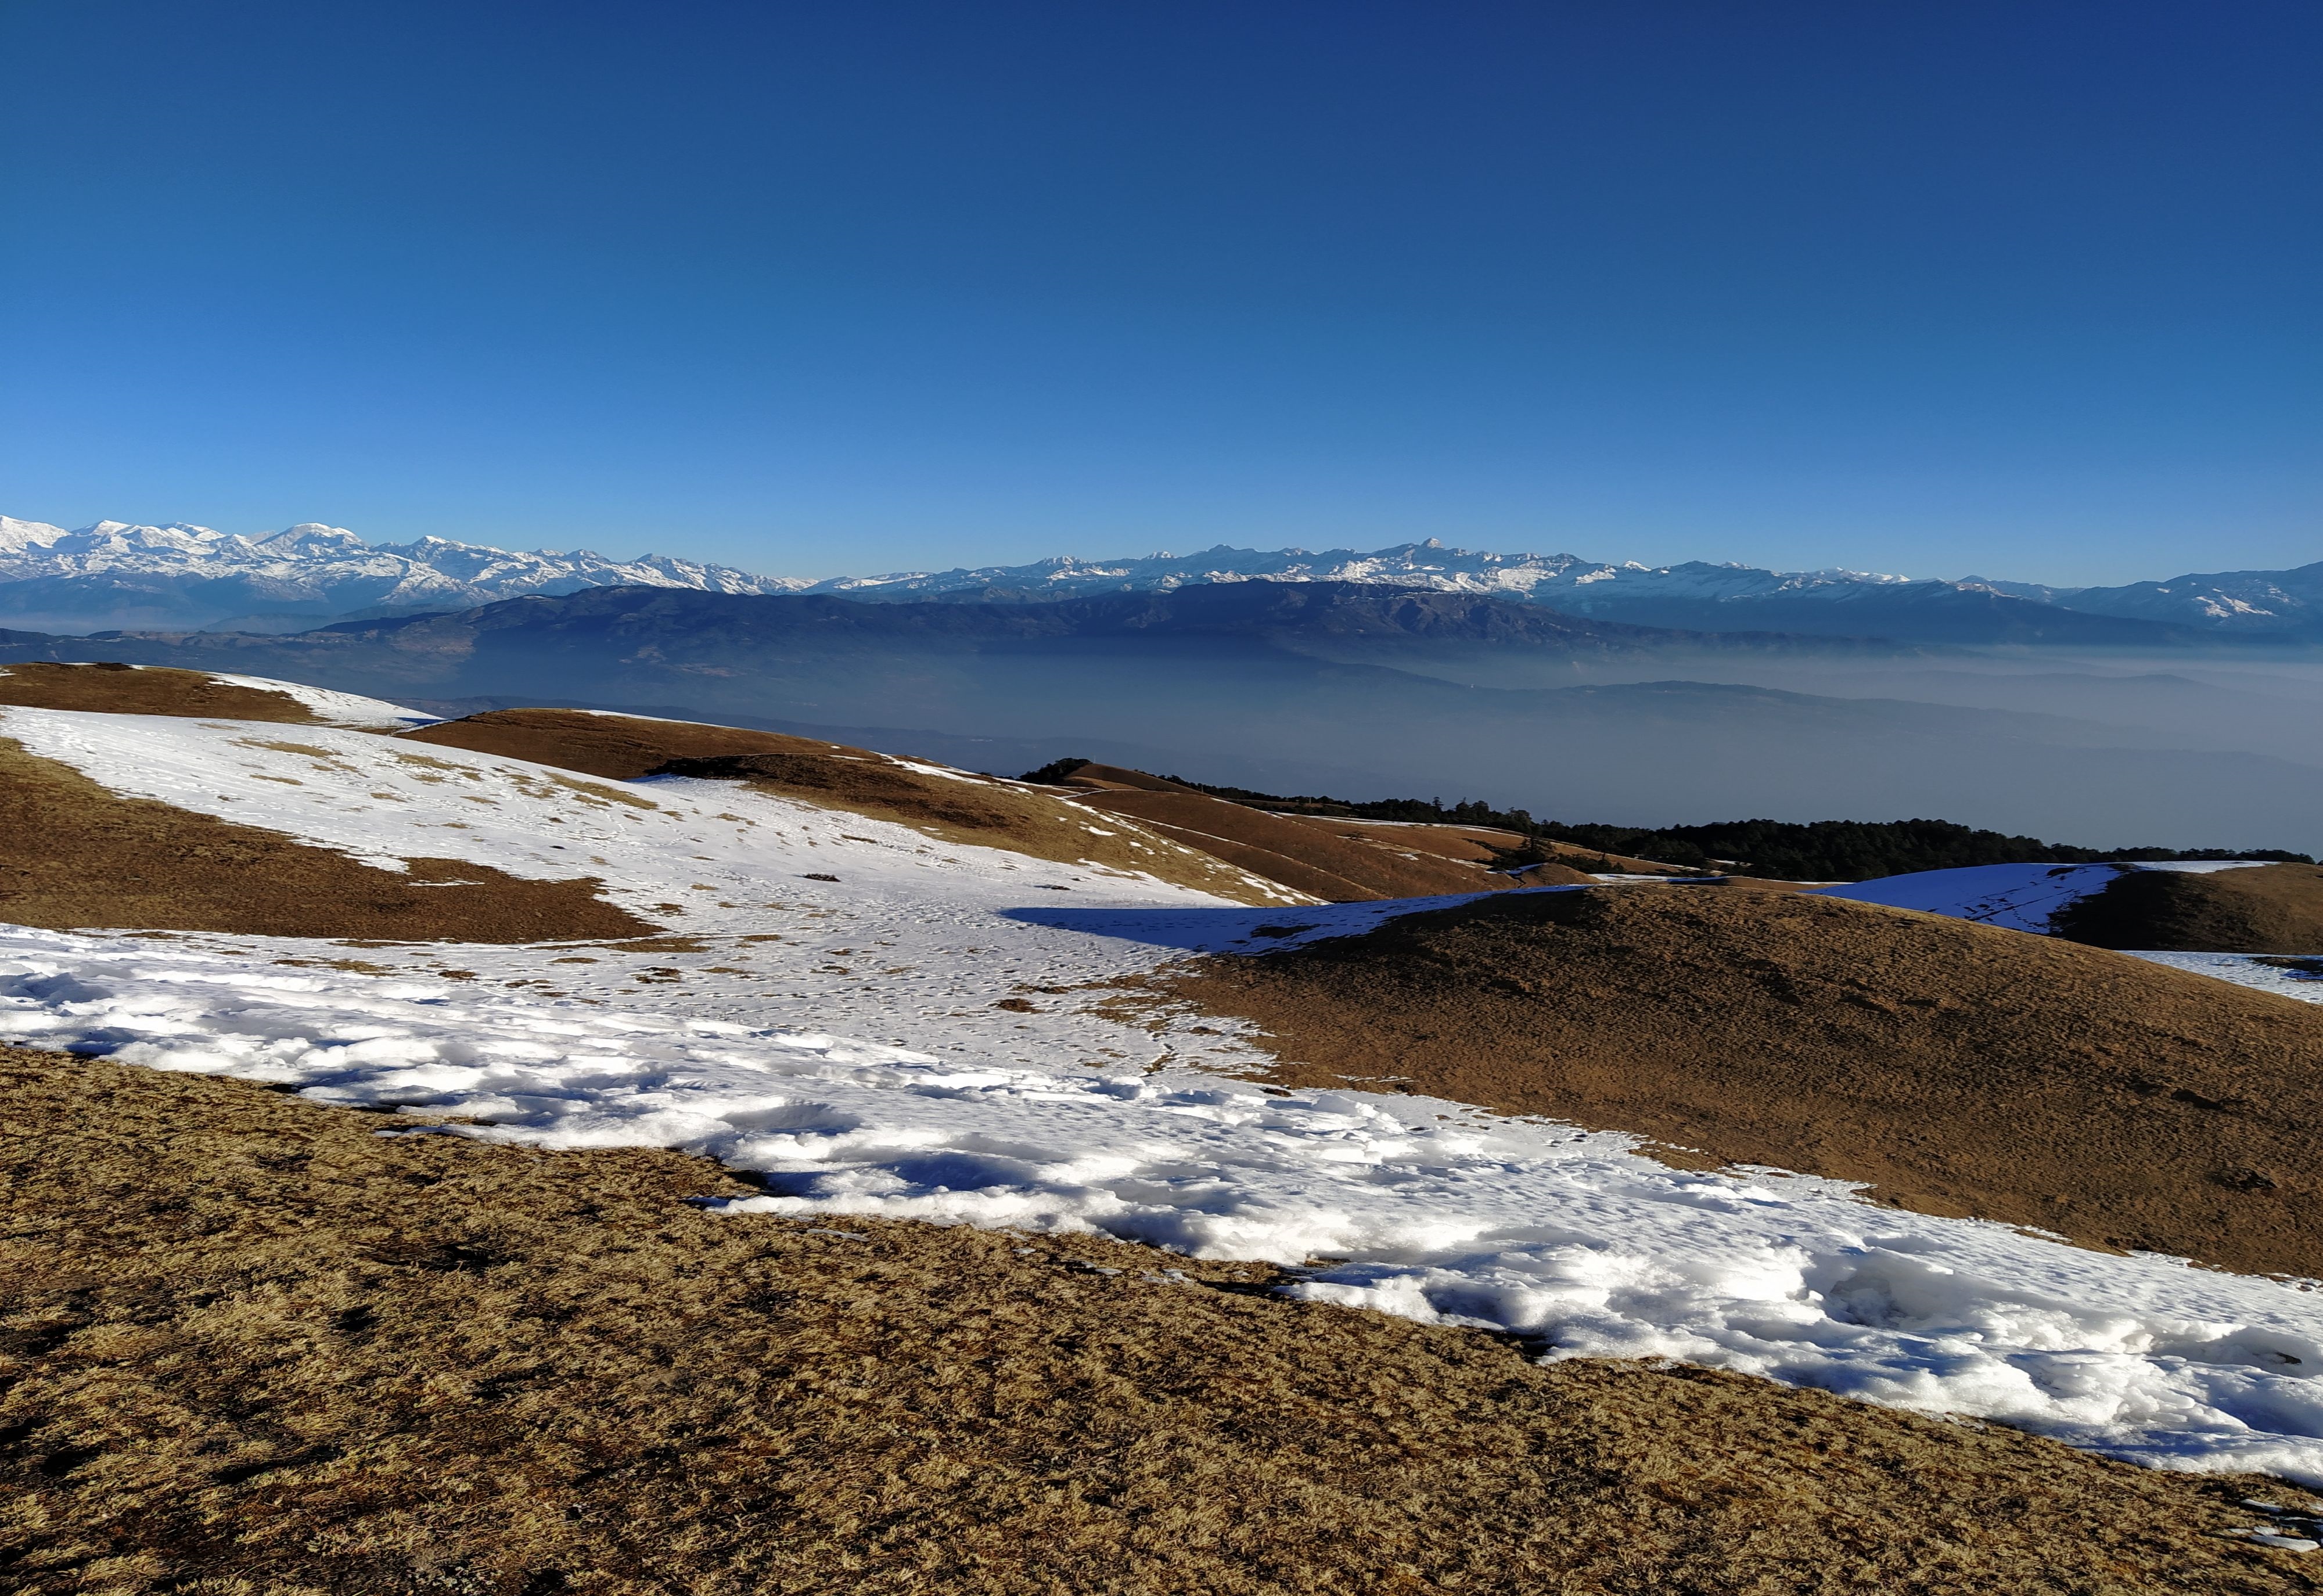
(939, 1095)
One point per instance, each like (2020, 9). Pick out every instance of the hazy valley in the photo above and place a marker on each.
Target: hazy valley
(1374, 690)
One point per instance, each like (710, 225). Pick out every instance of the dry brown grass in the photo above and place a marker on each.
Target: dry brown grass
(1476, 845)
(621, 747)
(1338, 864)
(1959, 1069)
(981, 812)
(145, 690)
(2260, 909)
(252, 1346)
(77, 855)
(1480, 844)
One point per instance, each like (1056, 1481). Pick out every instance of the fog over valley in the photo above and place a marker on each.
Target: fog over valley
(1411, 671)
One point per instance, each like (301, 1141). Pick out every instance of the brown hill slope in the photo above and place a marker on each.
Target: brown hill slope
(1336, 865)
(1474, 845)
(621, 747)
(81, 857)
(250, 1345)
(145, 690)
(952, 805)
(1484, 845)
(2259, 909)
(1959, 1069)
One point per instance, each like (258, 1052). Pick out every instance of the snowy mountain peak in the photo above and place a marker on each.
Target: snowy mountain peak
(120, 573)
(17, 535)
(312, 538)
(179, 538)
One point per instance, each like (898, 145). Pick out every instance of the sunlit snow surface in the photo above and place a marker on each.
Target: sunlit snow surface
(860, 1064)
(2021, 897)
(2286, 976)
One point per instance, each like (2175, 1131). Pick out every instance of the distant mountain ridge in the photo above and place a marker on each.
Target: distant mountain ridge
(1695, 595)
(117, 575)
(2244, 603)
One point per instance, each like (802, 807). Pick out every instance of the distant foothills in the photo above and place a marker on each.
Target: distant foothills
(114, 575)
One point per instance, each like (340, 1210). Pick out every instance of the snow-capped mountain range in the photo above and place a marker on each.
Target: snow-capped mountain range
(180, 576)
(2250, 602)
(115, 575)
(1563, 582)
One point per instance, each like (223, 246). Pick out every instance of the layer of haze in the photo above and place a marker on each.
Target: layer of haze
(2024, 290)
(2192, 750)
(2190, 746)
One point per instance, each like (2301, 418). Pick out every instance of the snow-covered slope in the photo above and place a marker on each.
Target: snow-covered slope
(18, 536)
(2258, 603)
(2020, 897)
(878, 1023)
(115, 573)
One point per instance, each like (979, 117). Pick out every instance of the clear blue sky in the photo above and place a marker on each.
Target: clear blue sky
(2024, 288)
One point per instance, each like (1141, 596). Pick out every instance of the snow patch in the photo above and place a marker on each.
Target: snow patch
(1419, 1208)
(2298, 976)
(2021, 897)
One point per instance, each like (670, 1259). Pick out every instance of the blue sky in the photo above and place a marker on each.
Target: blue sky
(2025, 290)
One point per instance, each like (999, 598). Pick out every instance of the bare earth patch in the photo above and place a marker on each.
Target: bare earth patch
(251, 1347)
(1959, 1069)
(80, 857)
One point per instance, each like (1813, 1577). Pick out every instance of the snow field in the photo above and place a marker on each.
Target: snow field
(1415, 1206)
(844, 1040)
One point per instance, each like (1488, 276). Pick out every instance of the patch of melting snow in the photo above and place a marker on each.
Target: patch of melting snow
(2290, 1529)
(2284, 974)
(2020, 897)
(1416, 1207)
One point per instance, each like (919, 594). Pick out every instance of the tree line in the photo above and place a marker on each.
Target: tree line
(1781, 850)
